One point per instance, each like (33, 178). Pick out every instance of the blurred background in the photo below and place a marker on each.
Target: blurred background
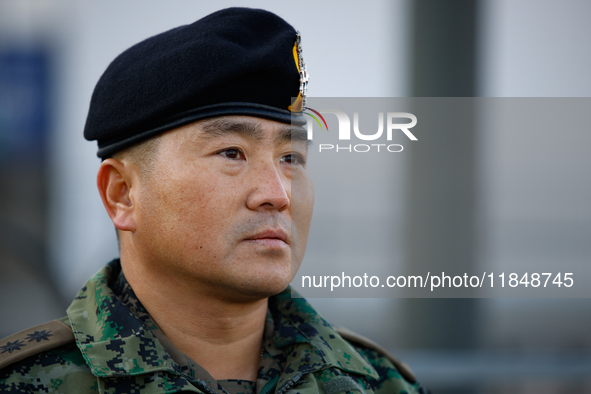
(516, 207)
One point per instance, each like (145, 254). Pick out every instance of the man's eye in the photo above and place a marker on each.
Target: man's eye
(232, 153)
(293, 159)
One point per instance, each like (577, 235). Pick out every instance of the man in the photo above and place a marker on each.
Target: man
(201, 146)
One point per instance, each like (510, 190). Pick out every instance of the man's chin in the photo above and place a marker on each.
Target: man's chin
(266, 290)
(254, 290)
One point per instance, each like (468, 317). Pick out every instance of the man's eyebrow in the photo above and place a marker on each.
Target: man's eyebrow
(220, 127)
(292, 133)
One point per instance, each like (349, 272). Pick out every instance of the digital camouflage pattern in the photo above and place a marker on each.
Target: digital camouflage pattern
(118, 349)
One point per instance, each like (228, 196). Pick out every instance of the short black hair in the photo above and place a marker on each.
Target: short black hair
(142, 154)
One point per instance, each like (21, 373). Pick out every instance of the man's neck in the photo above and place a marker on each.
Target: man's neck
(223, 337)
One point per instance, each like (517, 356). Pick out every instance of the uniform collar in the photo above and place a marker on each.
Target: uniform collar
(107, 332)
(309, 341)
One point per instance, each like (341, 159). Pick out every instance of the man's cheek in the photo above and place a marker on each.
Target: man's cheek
(302, 201)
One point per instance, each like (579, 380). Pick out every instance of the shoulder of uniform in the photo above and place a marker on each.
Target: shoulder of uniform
(35, 340)
(357, 339)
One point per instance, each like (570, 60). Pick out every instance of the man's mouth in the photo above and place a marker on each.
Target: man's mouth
(270, 237)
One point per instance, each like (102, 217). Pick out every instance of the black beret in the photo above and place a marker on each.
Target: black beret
(237, 61)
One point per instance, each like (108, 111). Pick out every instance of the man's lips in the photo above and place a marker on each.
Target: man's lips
(271, 237)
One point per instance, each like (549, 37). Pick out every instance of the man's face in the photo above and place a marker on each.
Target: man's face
(217, 210)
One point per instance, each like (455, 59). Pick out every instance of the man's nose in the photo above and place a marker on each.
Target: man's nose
(271, 189)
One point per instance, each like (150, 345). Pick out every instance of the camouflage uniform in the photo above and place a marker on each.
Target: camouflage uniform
(109, 344)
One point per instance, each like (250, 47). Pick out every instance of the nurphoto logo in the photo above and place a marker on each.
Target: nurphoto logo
(393, 126)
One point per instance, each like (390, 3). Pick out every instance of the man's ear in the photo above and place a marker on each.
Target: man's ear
(114, 181)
